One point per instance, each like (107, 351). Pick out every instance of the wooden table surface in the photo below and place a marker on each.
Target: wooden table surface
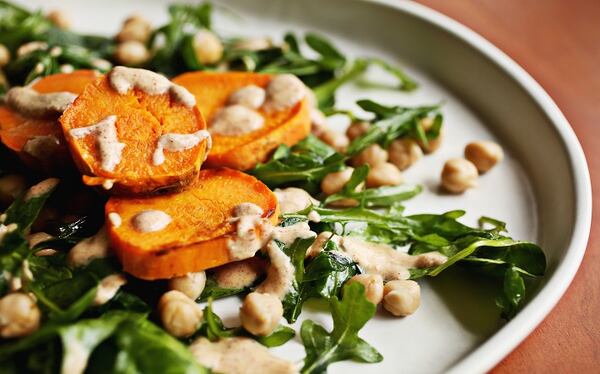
(558, 43)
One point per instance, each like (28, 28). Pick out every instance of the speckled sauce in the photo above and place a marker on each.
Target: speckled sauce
(30, 103)
(280, 274)
(42, 146)
(123, 79)
(384, 260)
(178, 143)
(151, 221)
(237, 356)
(236, 120)
(107, 140)
(283, 92)
(292, 199)
(250, 96)
(252, 232)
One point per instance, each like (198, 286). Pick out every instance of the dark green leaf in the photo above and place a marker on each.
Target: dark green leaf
(342, 343)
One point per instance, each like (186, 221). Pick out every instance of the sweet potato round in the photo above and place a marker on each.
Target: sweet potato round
(244, 152)
(196, 238)
(141, 120)
(16, 130)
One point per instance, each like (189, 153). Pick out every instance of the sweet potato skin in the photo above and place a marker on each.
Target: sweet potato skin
(141, 120)
(16, 130)
(196, 239)
(244, 152)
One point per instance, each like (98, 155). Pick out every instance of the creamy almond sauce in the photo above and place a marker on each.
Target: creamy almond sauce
(236, 120)
(252, 232)
(240, 274)
(288, 234)
(108, 288)
(6, 229)
(283, 92)
(115, 219)
(292, 199)
(41, 188)
(280, 274)
(89, 249)
(27, 48)
(123, 79)
(384, 260)
(179, 142)
(250, 96)
(151, 221)
(42, 147)
(107, 140)
(238, 356)
(32, 104)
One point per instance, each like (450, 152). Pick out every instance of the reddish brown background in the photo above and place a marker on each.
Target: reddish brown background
(558, 43)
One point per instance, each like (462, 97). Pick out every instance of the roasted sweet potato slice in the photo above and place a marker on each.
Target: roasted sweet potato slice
(40, 142)
(135, 132)
(195, 238)
(212, 90)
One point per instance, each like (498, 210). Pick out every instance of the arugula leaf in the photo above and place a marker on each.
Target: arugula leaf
(174, 54)
(25, 209)
(372, 197)
(280, 336)
(392, 123)
(145, 347)
(292, 302)
(342, 343)
(305, 164)
(327, 273)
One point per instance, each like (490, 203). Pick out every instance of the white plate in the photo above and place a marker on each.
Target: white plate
(542, 189)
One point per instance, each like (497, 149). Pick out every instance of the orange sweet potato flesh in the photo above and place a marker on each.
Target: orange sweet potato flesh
(16, 130)
(196, 238)
(141, 120)
(244, 152)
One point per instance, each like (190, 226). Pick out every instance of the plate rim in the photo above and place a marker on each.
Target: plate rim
(507, 338)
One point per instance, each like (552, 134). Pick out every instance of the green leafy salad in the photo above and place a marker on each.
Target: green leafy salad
(342, 239)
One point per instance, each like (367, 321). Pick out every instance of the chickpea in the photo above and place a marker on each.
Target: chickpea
(135, 28)
(260, 313)
(404, 153)
(373, 286)
(19, 315)
(207, 47)
(4, 55)
(59, 18)
(336, 140)
(334, 182)
(191, 284)
(484, 154)
(384, 174)
(401, 297)
(179, 314)
(357, 129)
(11, 186)
(459, 175)
(132, 53)
(372, 155)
